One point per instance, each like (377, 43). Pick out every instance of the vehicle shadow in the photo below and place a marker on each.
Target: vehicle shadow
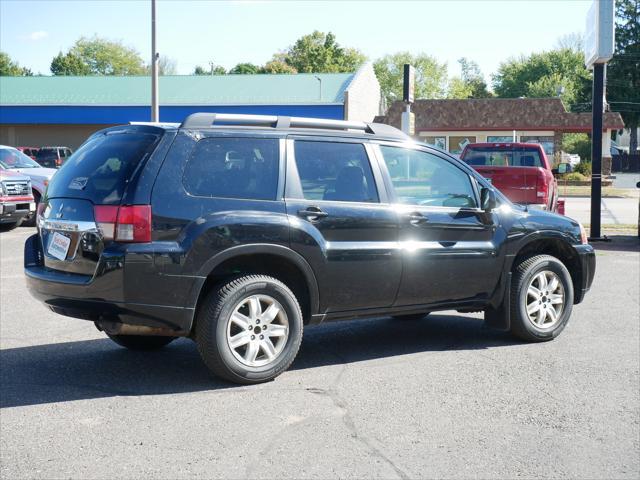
(99, 368)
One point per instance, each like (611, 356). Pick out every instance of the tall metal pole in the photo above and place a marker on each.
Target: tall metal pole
(155, 109)
(596, 148)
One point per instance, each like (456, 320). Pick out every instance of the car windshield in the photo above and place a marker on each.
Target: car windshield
(503, 156)
(12, 158)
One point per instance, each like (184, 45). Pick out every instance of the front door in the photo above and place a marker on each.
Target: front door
(448, 246)
(342, 223)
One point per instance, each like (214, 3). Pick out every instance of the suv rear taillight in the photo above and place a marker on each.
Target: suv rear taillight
(58, 161)
(124, 224)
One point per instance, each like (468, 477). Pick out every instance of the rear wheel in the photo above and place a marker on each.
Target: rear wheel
(541, 298)
(141, 342)
(249, 329)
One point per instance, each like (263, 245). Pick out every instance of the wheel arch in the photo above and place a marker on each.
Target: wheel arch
(273, 260)
(557, 246)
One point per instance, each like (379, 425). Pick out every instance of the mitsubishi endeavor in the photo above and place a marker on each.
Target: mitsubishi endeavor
(239, 230)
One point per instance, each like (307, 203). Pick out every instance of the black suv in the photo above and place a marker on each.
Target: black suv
(238, 230)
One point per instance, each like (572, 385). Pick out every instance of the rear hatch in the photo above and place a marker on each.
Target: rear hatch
(514, 170)
(78, 217)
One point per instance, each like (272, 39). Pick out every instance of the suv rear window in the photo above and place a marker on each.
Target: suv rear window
(233, 168)
(503, 157)
(101, 168)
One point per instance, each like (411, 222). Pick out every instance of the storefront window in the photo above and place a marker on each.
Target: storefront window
(438, 142)
(546, 142)
(457, 144)
(500, 139)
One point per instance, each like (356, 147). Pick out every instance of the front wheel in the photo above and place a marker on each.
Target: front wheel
(249, 329)
(541, 298)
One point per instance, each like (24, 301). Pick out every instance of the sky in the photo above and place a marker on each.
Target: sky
(195, 32)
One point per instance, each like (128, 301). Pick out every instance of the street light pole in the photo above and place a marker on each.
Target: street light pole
(155, 109)
(320, 86)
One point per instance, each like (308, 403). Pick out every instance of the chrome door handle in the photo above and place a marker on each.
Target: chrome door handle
(417, 218)
(312, 213)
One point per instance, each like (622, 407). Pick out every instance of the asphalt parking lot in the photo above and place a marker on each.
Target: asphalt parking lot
(442, 397)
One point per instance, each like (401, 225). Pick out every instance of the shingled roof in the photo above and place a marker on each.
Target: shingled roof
(497, 114)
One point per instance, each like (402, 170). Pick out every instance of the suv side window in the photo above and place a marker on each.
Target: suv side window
(233, 168)
(420, 178)
(335, 171)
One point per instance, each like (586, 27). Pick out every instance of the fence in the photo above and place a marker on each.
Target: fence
(625, 163)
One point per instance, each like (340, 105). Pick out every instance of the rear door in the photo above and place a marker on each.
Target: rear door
(448, 243)
(72, 237)
(342, 223)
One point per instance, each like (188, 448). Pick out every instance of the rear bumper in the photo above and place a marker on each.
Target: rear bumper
(587, 258)
(98, 297)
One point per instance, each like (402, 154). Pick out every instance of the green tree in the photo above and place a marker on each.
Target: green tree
(69, 64)
(319, 52)
(458, 88)
(547, 73)
(623, 71)
(245, 69)
(277, 66)
(473, 78)
(11, 68)
(214, 69)
(431, 76)
(101, 57)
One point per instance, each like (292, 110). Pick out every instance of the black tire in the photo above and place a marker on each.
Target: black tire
(214, 315)
(412, 317)
(5, 227)
(141, 342)
(521, 326)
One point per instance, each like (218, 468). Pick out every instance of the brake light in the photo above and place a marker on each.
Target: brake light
(542, 188)
(124, 224)
(58, 161)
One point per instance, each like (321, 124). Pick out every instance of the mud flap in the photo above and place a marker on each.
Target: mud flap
(500, 317)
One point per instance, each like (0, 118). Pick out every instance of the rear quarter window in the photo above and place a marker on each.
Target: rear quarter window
(101, 168)
(233, 168)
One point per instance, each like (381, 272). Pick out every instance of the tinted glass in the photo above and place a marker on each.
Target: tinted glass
(420, 178)
(102, 167)
(335, 171)
(233, 168)
(503, 157)
(10, 158)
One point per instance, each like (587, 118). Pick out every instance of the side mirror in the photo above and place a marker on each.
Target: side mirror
(487, 199)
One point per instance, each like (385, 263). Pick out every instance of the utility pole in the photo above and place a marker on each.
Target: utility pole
(155, 108)
(596, 148)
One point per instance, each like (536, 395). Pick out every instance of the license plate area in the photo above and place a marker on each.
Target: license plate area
(58, 245)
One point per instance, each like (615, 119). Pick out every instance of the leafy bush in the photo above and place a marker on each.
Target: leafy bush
(575, 177)
(583, 168)
(579, 143)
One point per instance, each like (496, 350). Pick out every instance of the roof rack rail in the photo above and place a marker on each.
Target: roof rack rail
(206, 120)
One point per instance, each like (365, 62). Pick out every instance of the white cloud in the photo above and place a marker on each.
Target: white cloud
(35, 36)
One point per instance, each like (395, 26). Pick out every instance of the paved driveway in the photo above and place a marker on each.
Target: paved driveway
(442, 397)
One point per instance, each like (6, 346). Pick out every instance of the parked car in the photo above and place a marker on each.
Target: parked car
(238, 230)
(13, 159)
(29, 151)
(519, 170)
(53, 157)
(16, 200)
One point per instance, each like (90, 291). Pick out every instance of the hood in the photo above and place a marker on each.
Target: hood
(42, 173)
(9, 175)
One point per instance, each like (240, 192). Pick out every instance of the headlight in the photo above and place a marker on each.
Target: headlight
(583, 235)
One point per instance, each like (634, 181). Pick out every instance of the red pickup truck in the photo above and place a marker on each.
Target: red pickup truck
(519, 170)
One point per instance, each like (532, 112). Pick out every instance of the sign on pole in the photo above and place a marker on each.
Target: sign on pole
(599, 38)
(408, 84)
